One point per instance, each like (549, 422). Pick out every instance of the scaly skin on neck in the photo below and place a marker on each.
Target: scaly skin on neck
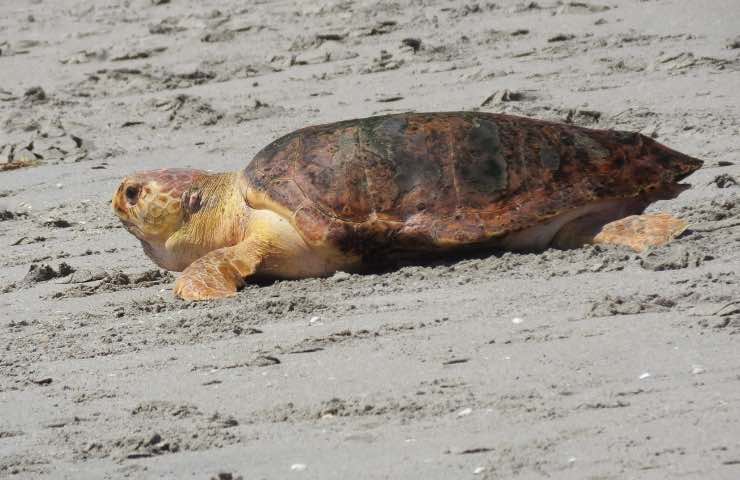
(215, 217)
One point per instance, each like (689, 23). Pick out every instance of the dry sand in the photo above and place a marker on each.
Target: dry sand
(619, 365)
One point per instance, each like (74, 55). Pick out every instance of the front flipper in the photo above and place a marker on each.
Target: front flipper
(219, 273)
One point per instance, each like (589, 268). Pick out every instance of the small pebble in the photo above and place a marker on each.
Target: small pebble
(341, 276)
(644, 376)
(298, 467)
(697, 369)
(562, 37)
(479, 470)
(571, 459)
(465, 412)
(35, 94)
(414, 43)
(516, 320)
(315, 321)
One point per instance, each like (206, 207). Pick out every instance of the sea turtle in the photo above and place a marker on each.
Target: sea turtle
(359, 193)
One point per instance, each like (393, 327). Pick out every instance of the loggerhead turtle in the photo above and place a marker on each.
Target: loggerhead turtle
(370, 191)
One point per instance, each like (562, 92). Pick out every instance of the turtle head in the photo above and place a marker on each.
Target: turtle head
(155, 205)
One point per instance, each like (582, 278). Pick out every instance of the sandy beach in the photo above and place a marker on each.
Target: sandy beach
(593, 363)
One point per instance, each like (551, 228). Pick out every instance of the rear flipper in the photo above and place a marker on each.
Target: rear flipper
(641, 231)
(635, 231)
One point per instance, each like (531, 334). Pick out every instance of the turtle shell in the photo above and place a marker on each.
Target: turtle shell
(438, 180)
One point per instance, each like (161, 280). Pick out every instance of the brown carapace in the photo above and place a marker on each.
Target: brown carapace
(365, 192)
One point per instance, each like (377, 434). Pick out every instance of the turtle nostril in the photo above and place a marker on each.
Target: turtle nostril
(132, 194)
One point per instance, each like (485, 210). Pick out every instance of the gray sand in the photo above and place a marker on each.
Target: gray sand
(591, 363)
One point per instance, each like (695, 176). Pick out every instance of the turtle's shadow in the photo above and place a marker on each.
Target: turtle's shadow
(394, 264)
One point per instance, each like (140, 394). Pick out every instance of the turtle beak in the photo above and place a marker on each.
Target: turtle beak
(133, 230)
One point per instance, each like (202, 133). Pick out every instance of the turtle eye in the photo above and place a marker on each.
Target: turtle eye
(132, 194)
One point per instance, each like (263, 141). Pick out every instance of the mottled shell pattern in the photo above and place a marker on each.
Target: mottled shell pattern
(445, 179)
